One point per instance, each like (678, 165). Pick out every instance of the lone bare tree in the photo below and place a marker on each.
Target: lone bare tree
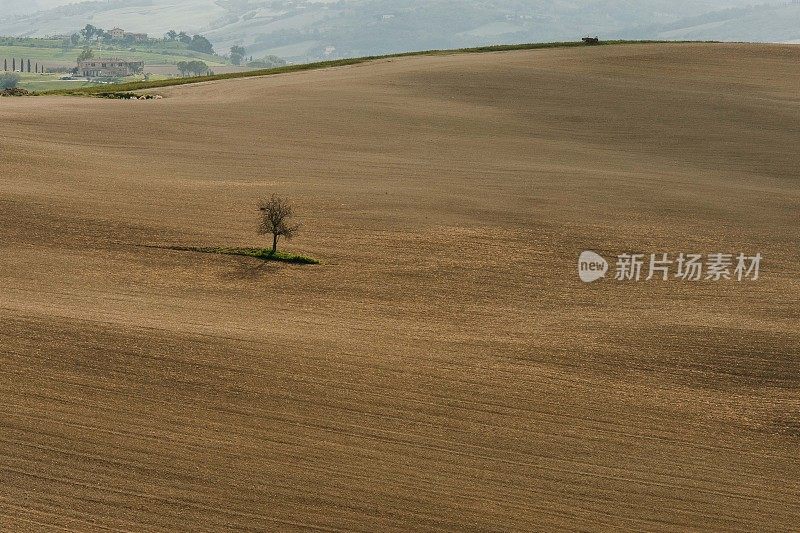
(275, 215)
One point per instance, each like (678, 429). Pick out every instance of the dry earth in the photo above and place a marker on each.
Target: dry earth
(444, 369)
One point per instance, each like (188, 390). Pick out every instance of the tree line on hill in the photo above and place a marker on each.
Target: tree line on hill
(198, 43)
(238, 55)
(197, 68)
(93, 34)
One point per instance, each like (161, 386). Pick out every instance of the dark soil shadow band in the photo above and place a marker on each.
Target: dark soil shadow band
(264, 254)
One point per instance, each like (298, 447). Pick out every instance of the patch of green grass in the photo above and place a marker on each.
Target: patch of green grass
(53, 85)
(48, 82)
(265, 254)
(155, 84)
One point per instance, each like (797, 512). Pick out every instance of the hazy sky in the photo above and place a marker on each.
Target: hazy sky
(301, 30)
(29, 6)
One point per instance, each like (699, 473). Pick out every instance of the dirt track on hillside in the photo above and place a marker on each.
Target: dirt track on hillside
(444, 369)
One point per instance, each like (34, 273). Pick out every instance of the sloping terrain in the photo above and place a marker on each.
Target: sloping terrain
(444, 368)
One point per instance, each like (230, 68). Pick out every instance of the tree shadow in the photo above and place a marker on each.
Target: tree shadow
(249, 270)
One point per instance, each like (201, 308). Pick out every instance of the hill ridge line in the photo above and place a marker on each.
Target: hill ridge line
(320, 65)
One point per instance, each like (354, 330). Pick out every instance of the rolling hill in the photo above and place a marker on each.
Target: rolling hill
(443, 369)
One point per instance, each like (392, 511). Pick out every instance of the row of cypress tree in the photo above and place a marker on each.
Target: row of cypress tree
(36, 69)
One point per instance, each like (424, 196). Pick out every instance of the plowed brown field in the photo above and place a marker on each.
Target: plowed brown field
(444, 368)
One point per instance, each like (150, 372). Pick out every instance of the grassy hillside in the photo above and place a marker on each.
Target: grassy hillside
(151, 16)
(49, 82)
(54, 52)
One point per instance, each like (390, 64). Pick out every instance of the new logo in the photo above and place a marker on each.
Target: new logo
(591, 266)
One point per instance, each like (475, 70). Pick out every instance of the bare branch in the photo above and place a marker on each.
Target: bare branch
(275, 214)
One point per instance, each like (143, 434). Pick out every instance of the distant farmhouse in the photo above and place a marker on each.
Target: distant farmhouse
(109, 68)
(118, 34)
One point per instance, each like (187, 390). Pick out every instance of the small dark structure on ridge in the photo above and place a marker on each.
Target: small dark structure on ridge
(591, 40)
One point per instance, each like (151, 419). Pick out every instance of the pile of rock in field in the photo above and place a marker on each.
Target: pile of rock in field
(129, 96)
(15, 92)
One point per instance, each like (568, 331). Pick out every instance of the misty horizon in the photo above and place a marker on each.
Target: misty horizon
(312, 29)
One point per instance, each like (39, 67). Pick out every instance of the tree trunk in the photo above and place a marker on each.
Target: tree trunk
(274, 243)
